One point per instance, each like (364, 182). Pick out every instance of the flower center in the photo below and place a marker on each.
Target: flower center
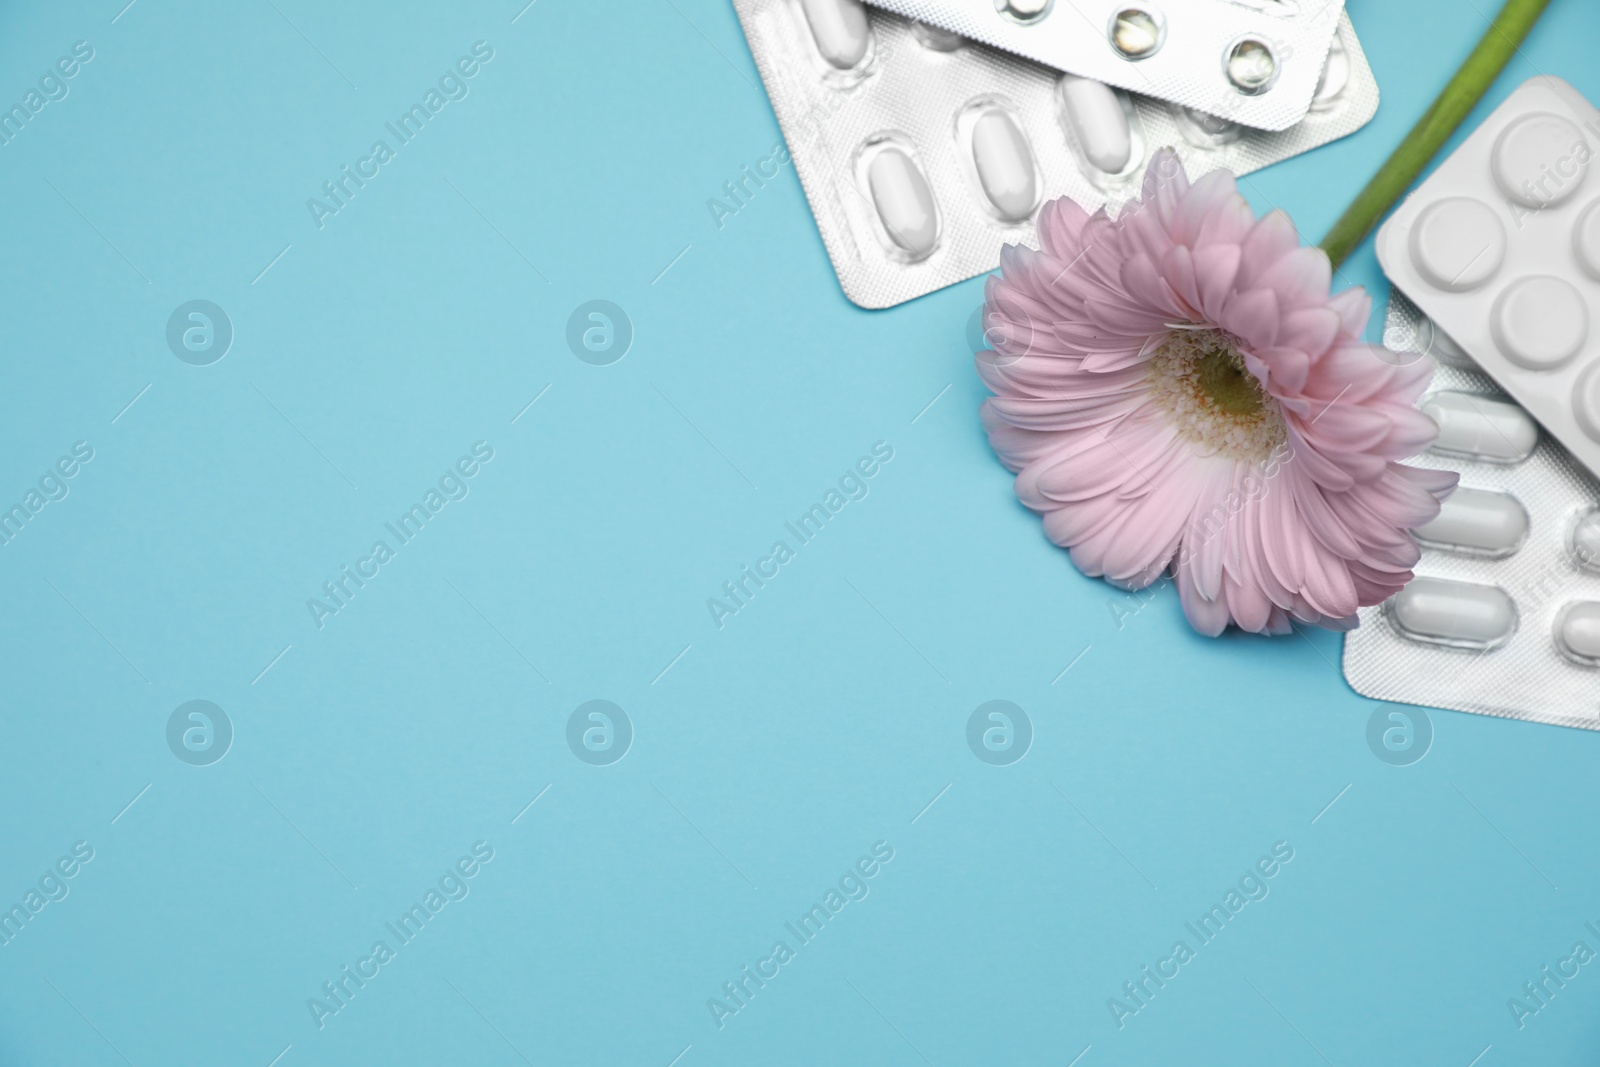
(1198, 377)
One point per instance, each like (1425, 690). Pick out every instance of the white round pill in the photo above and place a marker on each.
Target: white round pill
(1445, 612)
(1586, 400)
(903, 199)
(839, 28)
(1539, 160)
(1095, 113)
(1481, 427)
(1479, 522)
(1586, 240)
(1539, 322)
(1577, 632)
(1458, 243)
(1005, 164)
(1442, 347)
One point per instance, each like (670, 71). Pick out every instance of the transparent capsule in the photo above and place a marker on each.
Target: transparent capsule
(1577, 632)
(1478, 522)
(1136, 33)
(1478, 426)
(1251, 66)
(1440, 611)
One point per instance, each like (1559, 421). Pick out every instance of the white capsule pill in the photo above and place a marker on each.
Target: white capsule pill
(1479, 522)
(1095, 112)
(1458, 243)
(1477, 426)
(1540, 322)
(839, 28)
(1577, 632)
(1005, 164)
(1461, 614)
(1584, 544)
(935, 38)
(903, 199)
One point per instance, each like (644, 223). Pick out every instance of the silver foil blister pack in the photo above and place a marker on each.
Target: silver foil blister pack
(1503, 617)
(1254, 61)
(923, 154)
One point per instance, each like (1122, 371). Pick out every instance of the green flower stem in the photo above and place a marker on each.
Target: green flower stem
(1434, 128)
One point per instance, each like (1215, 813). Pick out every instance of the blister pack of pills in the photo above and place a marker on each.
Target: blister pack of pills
(1256, 62)
(1503, 617)
(1501, 248)
(923, 154)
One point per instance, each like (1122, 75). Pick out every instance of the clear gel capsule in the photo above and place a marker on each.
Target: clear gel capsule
(1479, 522)
(1005, 164)
(1251, 66)
(1099, 122)
(1472, 425)
(1460, 614)
(1577, 632)
(1135, 33)
(903, 199)
(1584, 543)
(840, 29)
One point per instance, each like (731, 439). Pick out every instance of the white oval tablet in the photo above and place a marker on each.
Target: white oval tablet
(1539, 159)
(1480, 522)
(1458, 243)
(1586, 240)
(1462, 614)
(903, 199)
(839, 27)
(1577, 632)
(1478, 426)
(1442, 347)
(1540, 322)
(1005, 164)
(1097, 118)
(1584, 544)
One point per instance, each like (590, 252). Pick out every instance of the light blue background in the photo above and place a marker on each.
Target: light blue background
(823, 718)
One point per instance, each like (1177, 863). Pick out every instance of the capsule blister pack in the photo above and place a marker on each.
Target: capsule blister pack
(923, 154)
(1503, 617)
(1501, 248)
(1256, 62)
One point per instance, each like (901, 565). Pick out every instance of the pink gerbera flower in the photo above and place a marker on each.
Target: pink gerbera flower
(1178, 392)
